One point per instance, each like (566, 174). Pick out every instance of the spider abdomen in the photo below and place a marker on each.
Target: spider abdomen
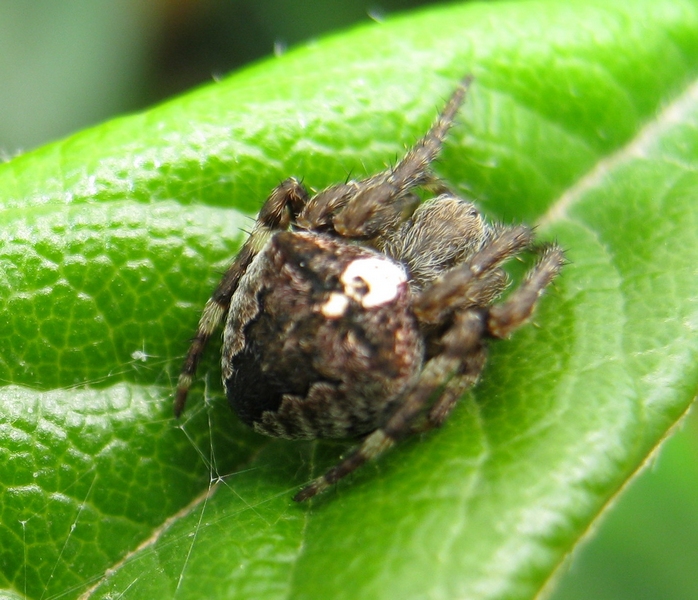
(320, 340)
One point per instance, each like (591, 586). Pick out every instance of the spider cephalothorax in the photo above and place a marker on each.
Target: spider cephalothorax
(360, 311)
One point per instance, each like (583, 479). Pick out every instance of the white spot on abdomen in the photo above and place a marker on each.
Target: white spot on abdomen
(373, 281)
(335, 306)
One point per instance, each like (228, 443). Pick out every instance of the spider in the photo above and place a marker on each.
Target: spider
(361, 312)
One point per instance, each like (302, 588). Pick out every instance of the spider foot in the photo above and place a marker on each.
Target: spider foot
(376, 443)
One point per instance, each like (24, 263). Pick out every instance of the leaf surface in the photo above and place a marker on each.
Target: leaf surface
(583, 119)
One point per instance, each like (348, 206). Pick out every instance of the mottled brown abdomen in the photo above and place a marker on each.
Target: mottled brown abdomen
(320, 339)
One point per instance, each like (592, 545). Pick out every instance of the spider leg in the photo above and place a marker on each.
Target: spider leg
(473, 283)
(454, 390)
(318, 212)
(413, 169)
(503, 318)
(461, 344)
(279, 210)
(361, 209)
(378, 201)
(499, 321)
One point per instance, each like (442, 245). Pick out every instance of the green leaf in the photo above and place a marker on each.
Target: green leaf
(583, 119)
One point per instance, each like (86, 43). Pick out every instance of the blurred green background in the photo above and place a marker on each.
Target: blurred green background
(68, 64)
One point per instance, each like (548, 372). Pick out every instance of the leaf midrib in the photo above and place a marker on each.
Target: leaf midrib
(637, 147)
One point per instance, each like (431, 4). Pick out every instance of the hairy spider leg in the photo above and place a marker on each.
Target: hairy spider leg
(321, 208)
(500, 320)
(362, 209)
(385, 198)
(280, 209)
(505, 317)
(470, 283)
